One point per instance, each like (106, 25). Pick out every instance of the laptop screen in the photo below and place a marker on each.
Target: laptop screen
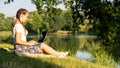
(42, 37)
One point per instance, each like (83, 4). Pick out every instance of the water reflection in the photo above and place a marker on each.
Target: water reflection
(118, 65)
(77, 45)
(85, 55)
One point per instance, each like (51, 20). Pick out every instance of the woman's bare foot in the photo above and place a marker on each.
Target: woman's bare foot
(63, 54)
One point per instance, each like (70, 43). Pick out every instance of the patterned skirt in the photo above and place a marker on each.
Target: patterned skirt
(29, 48)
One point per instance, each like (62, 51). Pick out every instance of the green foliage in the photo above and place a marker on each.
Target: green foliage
(79, 16)
(56, 23)
(47, 3)
(69, 20)
(55, 19)
(100, 55)
(5, 22)
(106, 22)
(36, 23)
(103, 58)
(47, 21)
(52, 14)
(6, 37)
(104, 17)
(85, 26)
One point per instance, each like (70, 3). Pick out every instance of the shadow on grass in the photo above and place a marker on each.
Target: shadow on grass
(12, 60)
(116, 53)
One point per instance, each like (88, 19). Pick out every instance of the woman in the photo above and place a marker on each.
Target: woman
(19, 38)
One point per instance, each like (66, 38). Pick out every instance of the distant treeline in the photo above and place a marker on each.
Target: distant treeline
(57, 20)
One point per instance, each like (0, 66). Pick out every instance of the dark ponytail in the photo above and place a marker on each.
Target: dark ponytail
(21, 11)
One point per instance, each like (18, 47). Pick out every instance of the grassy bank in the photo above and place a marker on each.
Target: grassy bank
(5, 33)
(11, 60)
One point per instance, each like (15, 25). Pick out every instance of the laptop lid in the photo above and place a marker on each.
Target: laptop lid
(42, 36)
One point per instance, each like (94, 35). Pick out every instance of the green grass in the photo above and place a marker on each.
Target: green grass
(101, 56)
(5, 33)
(11, 60)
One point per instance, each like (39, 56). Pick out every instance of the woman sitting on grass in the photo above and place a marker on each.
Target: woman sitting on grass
(19, 38)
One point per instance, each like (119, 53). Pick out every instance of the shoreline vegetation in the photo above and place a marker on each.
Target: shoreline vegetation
(12, 60)
(61, 32)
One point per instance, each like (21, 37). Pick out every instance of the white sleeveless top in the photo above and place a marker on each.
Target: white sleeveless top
(20, 29)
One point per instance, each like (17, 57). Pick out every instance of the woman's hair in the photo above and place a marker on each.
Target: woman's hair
(21, 11)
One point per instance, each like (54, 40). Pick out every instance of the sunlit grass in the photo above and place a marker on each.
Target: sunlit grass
(6, 45)
(5, 33)
(11, 60)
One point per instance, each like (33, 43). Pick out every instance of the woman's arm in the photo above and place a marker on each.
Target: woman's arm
(19, 41)
(32, 41)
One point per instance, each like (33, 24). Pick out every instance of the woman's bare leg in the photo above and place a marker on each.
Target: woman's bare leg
(47, 49)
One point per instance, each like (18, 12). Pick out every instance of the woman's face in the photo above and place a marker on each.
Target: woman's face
(23, 17)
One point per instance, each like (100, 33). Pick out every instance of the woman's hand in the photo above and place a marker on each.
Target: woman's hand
(32, 42)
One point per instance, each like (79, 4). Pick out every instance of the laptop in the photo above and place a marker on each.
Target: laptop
(42, 37)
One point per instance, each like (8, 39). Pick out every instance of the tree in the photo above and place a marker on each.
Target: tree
(2, 17)
(36, 22)
(69, 20)
(49, 4)
(8, 23)
(85, 26)
(5, 23)
(80, 18)
(56, 23)
(106, 17)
